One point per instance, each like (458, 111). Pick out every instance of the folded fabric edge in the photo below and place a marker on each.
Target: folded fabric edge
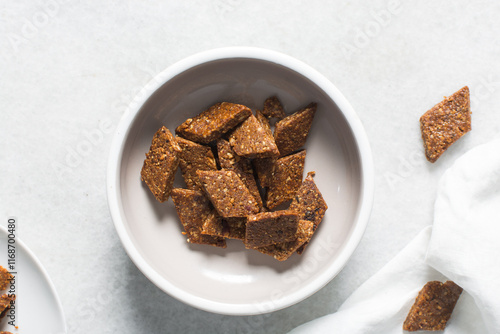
(460, 190)
(367, 310)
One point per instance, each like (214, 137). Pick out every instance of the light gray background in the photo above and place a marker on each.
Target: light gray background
(69, 68)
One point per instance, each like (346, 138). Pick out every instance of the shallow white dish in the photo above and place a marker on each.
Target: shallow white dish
(235, 280)
(37, 308)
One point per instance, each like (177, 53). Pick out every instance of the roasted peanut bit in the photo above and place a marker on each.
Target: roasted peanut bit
(212, 123)
(194, 209)
(158, 170)
(251, 140)
(291, 132)
(286, 179)
(433, 307)
(194, 157)
(267, 228)
(445, 123)
(228, 193)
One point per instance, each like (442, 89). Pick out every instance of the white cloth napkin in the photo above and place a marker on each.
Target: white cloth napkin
(463, 245)
(465, 242)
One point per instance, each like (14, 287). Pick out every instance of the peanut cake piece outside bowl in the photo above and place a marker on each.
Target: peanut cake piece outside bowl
(235, 280)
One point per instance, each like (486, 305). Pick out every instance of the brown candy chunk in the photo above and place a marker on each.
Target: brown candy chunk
(213, 226)
(282, 251)
(264, 122)
(5, 278)
(6, 301)
(231, 228)
(267, 228)
(309, 204)
(445, 123)
(192, 158)
(229, 160)
(433, 306)
(291, 132)
(264, 169)
(235, 228)
(160, 165)
(286, 180)
(264, 166)
(194, 209)
(251, 140)
(273, 108)
(228, 193)
(212, 123)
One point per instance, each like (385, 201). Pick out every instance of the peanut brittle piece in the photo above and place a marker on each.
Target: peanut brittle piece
(231, 228)
(251, 140)
(433, 306)
(192, 158)
(291, 132)
(264, 121)
(228, 194)
(283, 250)
(194, 209)
(286, 179)
(235, 228)
(445, 123)
(229, 160)
(267, 228)
(264, 166)
(213, 226)
(6, 301)
(162, 160)
(212, 123)
(5, 278)
(6, 332)
(309, 204)
(264, 170)
(273, 108)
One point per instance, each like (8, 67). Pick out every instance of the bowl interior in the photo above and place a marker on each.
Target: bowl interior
(235, 277)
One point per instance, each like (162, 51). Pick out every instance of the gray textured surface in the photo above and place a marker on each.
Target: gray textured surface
(69, 68)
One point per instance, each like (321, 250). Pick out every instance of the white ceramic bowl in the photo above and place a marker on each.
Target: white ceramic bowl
(234, 280)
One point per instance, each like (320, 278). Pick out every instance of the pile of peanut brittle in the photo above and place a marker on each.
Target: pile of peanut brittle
(243, 181)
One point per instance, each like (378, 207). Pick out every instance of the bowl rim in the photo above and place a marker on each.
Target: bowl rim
(366, 191)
